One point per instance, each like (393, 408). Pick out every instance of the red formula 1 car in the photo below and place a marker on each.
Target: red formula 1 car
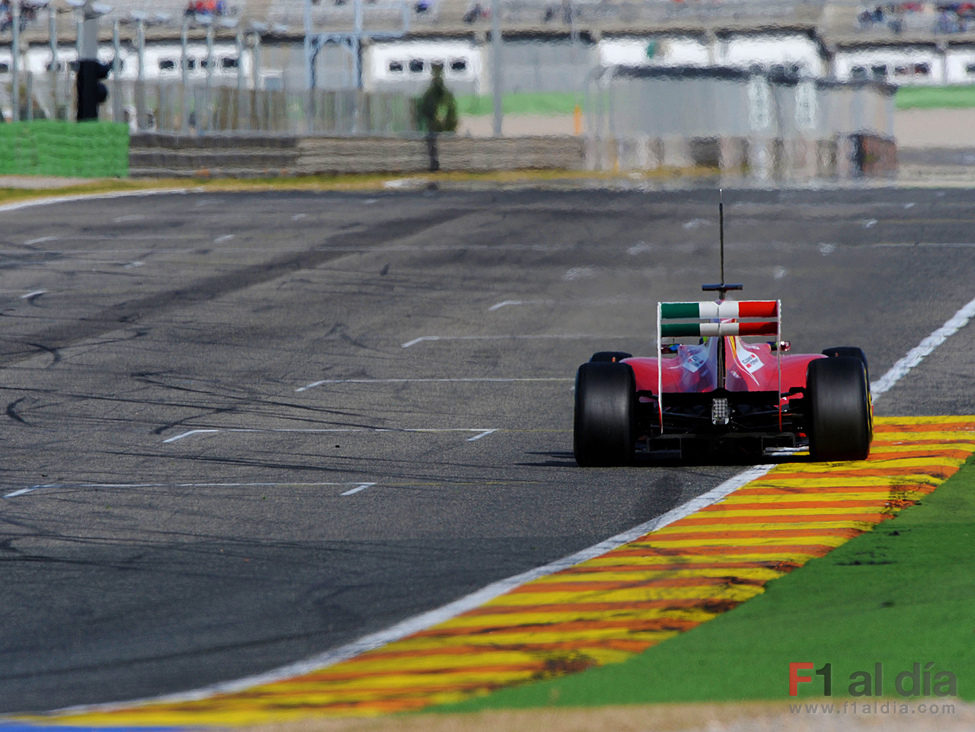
(723, 392)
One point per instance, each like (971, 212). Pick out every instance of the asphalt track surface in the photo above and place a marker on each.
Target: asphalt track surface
(245, 428)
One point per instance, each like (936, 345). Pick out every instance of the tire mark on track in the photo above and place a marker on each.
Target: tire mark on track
(216, 286)
(12, 411)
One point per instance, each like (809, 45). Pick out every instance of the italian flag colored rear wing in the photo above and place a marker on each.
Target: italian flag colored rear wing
(721, 318)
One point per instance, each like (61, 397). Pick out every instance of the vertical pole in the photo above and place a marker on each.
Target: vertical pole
(79, 32)
(140, 42)
(357, 44)
(357, 59)
(184, 70)
(87, 56)
(311, 58)
(239, 42)
(207, 106)
(52, 39)
(89, 34)
(15, 60)
(721, 235)
(309, 61)
(241, 83)
(256, 61)
(116, 49)
(141, 116)
(496, 65)
(256, 106)
(52, 33)
(115, 96)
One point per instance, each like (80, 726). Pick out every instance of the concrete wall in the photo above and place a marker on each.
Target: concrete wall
(171, 155)
(837, 157)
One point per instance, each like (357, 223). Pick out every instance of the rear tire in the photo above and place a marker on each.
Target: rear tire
(610, 356)
(839, 419)
(850, 351)
(603, 433)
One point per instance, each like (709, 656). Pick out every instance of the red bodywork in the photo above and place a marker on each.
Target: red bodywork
(730, 391)
(748, 367)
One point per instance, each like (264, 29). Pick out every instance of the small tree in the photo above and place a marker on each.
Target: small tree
(438, 113)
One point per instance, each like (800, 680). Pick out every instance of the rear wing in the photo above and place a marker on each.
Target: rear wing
(721, 318)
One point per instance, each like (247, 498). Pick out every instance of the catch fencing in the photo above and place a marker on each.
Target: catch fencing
(172, 107)
(770, 125)
(757, 124)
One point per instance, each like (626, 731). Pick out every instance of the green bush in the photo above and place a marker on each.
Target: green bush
(66, 149)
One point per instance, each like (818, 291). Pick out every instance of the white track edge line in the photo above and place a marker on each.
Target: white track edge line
(438, 615)
(475, 599)
(54, 198)
(924, 349)
(446, 612)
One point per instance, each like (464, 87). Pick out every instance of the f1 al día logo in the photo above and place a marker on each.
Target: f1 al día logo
(917, 681)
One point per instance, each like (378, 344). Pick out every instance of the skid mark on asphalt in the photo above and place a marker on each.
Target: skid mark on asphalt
(617, 604)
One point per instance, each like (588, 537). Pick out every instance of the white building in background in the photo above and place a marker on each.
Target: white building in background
(960, 64)
(801, 54)
(907, 65)
(917, 64)
(678, 50)
(797, 53)
(163, 61)
(409, 64)
(793, 53)
(405, 65)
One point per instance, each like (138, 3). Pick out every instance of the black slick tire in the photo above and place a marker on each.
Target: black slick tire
(851, 352)
(839, 419)
(603, 431)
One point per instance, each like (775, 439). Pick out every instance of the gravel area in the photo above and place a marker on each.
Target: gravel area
(895, 716)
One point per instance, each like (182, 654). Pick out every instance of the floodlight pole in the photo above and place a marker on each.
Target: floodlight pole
(15, 61)
(496, 65)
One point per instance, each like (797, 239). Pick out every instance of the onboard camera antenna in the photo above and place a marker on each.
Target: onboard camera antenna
(721, 287)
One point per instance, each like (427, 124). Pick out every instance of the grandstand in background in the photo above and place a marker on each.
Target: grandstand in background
(836, 21)
(204, 57)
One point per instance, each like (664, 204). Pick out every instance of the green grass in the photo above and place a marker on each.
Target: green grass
(935, 97)
(559, 103)
(542, 103)
(899, 595)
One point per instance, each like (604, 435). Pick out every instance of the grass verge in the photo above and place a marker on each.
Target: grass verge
(897, 596)
(540, 103)
(564, 103)
(935, 97)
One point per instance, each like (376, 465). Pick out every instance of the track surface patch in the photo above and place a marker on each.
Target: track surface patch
(606, 609)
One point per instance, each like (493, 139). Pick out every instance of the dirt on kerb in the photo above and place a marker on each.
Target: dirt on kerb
(848, 716)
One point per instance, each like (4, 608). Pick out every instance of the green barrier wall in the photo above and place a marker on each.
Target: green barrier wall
(67, 149)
